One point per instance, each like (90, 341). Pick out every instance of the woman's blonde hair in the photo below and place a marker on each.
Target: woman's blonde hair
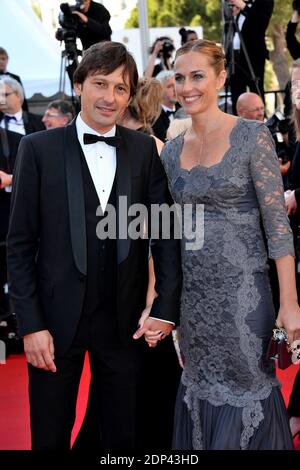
(213, 51)
(296, 112)
(146, 104)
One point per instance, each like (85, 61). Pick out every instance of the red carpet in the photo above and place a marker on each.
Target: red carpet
(14, 407)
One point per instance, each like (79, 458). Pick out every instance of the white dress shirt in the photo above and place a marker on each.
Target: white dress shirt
(102, 163)
(15, 125)
(165, 108)
(101, 160)
(240, 22)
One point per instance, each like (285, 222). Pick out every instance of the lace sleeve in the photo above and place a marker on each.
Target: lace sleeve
(268, 185)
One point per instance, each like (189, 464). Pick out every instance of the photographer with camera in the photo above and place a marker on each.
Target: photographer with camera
(282, 130)
(249, 47)
(93, 23)
(161, 49)
(87, 20)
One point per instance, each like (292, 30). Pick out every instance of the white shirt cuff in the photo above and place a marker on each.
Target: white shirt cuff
(165, 321)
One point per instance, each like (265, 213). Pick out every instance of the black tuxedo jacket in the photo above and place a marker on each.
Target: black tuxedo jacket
(253, 31)
(32, 122)
(9, 143)
(161, 125)
(47, 253)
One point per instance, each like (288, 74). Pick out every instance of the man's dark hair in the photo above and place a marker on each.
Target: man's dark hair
(3, 52)
(184, 33)
(105, 57)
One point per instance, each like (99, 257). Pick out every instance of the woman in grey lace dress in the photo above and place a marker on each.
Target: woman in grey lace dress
(229, 397)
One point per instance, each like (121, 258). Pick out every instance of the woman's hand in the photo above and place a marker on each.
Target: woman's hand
(291, 203)
(289, 319)
(144, 316)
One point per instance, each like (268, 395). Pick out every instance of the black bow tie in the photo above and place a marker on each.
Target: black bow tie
(92, 139)
(9, 118)
(169, 113)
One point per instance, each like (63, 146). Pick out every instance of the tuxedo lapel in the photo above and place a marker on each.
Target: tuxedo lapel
(75, 197)
(27, 125)
(123, 189)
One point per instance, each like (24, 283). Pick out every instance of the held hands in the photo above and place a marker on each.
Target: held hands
(5, 180)
(39, 350)
(153, 330)
(83, 17)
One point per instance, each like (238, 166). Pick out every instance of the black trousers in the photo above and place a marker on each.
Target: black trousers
(3, 279)
(241, 79)
(115, 371)
(294, 403)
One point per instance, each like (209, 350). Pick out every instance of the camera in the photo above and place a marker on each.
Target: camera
(167, 49)
(296, 6)
(279, 125)
(68, 22)
(65, 17)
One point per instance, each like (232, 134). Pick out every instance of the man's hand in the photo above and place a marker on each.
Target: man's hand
(83, 17)
(39, 350)
(153, 330)
(5, 180)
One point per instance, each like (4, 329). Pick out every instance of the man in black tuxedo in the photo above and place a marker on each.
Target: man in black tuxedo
(3, 71)
(12, 117)
(71, 290)
(169, 104)
(252, 18)
(9, 142)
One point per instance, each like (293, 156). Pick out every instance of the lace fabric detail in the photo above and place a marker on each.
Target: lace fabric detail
(269, 190)
(193, 405)
(251, 417)
(226, 310)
